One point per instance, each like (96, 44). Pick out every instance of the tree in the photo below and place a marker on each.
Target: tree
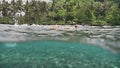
(113, 16)
(6, 12)
(95, 12)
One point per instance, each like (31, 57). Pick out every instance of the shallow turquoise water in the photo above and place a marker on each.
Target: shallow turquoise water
(55, 54)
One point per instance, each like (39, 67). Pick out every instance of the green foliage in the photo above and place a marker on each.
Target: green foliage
(93, 12)
(6, 20)
(61, 14)
(113, 16)
(99, 22)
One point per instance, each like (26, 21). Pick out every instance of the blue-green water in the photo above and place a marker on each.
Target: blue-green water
(41, 46)
(55, 54)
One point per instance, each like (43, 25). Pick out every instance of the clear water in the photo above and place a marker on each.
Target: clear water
(44, 47)
(55, 54)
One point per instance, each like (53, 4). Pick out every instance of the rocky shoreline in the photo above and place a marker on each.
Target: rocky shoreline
(104, 36)
(25, 32)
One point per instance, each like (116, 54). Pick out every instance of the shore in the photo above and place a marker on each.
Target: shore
(104, 36)
(27, 32)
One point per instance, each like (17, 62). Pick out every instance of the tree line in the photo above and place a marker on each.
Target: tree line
(91, 12)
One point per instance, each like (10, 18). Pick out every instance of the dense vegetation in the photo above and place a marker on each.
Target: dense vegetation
(92, 12)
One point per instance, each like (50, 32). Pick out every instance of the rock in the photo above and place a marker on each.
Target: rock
(111, 37)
